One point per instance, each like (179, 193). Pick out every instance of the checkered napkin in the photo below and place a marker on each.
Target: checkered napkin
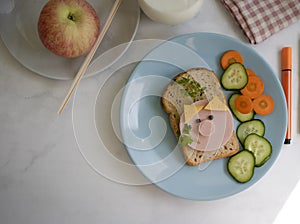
(259, 19)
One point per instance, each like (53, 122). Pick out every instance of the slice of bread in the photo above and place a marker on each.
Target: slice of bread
(188, 87)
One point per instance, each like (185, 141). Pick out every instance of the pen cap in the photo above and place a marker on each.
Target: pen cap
(286, 58)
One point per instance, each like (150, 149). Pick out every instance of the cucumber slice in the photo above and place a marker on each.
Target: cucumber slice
(260, 146)
(234, 77)
(241, 166)
(240, 116)
(253, 126)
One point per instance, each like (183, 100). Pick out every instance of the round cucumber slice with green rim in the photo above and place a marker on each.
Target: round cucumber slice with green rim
(260, 146)
(234, 77)
(240, 116)
(241, 166)
(244, 129)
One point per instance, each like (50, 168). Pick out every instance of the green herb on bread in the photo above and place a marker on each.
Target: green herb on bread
(185, 138)
(191, 87)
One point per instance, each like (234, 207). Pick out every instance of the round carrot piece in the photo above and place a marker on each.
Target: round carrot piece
(254, 88)
(250, 72)
(263, 105)
(230, 57)
(244, 104)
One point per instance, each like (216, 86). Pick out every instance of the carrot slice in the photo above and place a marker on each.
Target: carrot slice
(230, 57)
(250, 72)
(263, 105)
(254, 88)
(244, 104)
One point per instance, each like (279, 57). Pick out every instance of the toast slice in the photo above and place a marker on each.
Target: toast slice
(186, 88)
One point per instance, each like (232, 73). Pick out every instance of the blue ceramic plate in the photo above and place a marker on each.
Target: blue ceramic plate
(145, 127)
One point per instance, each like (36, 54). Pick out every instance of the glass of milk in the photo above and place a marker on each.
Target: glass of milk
(171, 12)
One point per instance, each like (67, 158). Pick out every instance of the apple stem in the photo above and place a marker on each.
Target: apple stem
(71, 17)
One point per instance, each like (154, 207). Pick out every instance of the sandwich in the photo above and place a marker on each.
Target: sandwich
(199, 116)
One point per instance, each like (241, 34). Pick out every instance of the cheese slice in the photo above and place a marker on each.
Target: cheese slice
(190, 111)
(216, 104)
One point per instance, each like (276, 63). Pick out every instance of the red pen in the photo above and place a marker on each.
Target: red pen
(286, 80)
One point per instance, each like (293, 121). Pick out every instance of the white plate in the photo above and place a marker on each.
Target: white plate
(18, 30)
(96, 111)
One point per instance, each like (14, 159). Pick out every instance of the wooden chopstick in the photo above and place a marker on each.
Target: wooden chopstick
(90, 55)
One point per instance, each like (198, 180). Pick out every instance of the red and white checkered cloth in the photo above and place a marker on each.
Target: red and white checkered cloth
(259, 19)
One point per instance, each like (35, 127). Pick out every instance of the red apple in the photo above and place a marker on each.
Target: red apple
(68, 28)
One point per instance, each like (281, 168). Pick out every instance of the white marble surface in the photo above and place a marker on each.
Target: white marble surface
(45, 179)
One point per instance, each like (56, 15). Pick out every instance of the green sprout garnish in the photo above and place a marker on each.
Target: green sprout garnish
(191, 87)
